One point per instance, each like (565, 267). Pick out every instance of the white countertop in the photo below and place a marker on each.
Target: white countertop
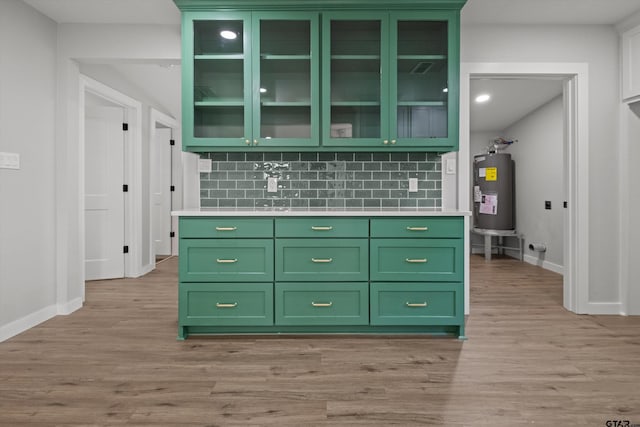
(279, 212)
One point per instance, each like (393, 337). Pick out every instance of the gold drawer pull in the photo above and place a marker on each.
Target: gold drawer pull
(226, 228)
(417, 228)
(321, 260)
(226, 305)
(416, 261)
(226, 261)
(321, 228)
(416, 304)
(322, 304)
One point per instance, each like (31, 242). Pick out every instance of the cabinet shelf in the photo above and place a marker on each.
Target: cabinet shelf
(220, 103)
(424, 57)
(285, 103)
(355, 57)
(218, 56)
(421, 103)
(355, 104)
(286, 57)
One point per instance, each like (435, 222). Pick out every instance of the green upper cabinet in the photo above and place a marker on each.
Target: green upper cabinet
(391, 79)
(318, 75)
(250, 79)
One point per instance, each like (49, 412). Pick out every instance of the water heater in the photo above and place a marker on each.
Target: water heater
(493, 191)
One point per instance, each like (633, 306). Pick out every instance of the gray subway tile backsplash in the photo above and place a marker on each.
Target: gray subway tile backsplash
(321, 180)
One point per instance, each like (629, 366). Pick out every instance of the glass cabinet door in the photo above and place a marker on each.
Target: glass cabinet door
(220, 104)
(355, 110)
(420, 87)
(286, 90)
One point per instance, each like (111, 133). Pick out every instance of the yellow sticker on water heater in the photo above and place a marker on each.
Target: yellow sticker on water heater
(491, 174)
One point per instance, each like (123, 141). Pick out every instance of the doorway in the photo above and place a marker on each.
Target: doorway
(165, 170)
(104, 199)
(130, 183)
(575, 111)
(522, 121)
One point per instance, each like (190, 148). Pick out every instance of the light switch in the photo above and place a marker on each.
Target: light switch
(450, 168)
(9, 161)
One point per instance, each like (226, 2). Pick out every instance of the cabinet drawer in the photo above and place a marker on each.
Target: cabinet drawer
(418, 227)
(416, 303)
(322, 227)
(335, 303)
(226, 304)
(226, 260)
(322, 259)
(416, 260)
(221, 228)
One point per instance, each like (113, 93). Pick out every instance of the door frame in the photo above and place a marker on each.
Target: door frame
(576, 160)
(132, 170)
(156, 117)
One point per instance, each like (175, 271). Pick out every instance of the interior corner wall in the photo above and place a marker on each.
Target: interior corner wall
(538, 155)
(27, 202)
(596, 46)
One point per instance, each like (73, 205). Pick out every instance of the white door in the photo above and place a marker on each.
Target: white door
(104, 196)
(160, 191)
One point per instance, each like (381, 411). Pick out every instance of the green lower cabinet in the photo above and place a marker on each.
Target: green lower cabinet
(322, 259)
(396, 303)
(417, 260)
(226, 304)
(332, 303)
(226, 260)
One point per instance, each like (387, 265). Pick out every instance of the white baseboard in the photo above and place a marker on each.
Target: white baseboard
(544, 264)
(146, 269)
(529, 260)
(27, 322)
(600, 308)
(34, 319)
(70, 307)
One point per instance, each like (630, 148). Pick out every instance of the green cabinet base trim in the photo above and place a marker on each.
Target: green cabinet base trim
(427, 330)
(321, 275)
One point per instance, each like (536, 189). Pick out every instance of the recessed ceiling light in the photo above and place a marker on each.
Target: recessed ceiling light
(229, 35)
(483, 98)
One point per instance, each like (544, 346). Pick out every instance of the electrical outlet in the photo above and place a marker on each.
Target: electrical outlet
(413, 185)
(272, 185)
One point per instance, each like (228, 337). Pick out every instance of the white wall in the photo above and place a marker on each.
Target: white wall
(27, 203)
(596, 46)
(539, 172)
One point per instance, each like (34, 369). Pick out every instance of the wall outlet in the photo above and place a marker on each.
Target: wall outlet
(272, 185)
(413, 185)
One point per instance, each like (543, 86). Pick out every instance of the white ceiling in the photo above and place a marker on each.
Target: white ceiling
(512, 99)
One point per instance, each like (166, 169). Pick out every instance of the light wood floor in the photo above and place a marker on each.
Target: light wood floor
(527, 362)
